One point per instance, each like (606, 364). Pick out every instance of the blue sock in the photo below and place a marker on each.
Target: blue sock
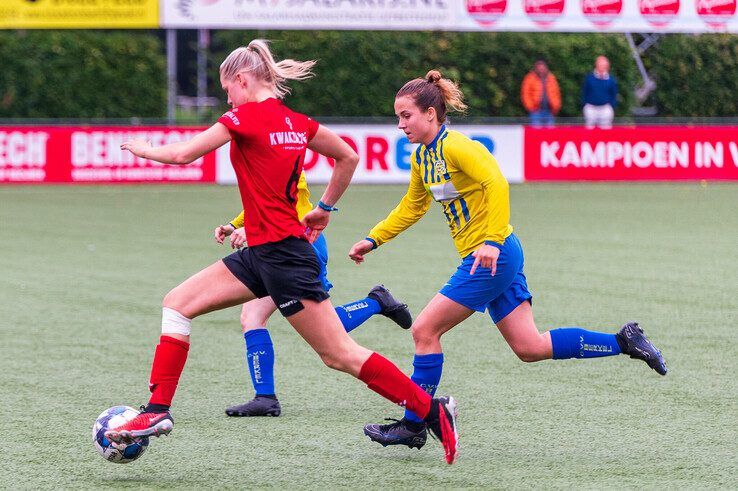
(260, 357)
(427, 374)
(354, 314)
(574, 342)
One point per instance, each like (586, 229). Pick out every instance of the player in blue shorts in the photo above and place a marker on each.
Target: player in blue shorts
(256, 313)
(465, 179)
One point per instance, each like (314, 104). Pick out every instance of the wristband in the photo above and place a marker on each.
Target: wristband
(325, 207)
(374, 242)
(493, 243)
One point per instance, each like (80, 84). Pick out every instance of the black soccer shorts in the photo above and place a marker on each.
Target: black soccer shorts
(288, 271)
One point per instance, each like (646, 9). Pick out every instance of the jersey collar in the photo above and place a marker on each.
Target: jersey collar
(438, 135)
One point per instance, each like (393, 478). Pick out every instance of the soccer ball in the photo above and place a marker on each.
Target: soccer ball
(120, 453)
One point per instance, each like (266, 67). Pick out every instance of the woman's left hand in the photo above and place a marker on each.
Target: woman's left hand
(137, 147)
(238, 238)
(486, 257)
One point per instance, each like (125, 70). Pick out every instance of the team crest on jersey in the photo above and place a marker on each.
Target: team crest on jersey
(440, 166)
(288, 123)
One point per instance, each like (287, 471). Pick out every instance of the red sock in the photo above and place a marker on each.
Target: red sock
(384, 378)
(169, 360)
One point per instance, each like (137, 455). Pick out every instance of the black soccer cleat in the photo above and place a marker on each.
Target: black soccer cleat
(258, 406)
(397, 433)
(391, 307)
(633, 342)
(441, 421)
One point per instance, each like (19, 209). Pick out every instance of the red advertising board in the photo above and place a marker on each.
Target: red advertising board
(631, 154)
(659, 12)
(544, 12)
(93, 155)
(486, 12)
(601, 12)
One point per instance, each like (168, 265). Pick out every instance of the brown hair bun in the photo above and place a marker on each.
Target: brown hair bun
(433, 76)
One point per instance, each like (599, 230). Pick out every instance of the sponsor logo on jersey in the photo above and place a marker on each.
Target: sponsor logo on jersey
(659, 12)
(544, 12)
(288, 138)
(232, 116)
(486, 12)
(601, 12)
(288, 123)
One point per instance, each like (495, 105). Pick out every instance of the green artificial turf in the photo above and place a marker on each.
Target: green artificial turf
(83, 271)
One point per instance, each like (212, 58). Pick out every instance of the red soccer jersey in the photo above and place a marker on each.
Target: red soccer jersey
(267, 152)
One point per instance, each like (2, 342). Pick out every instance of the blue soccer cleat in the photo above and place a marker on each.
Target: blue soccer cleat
(633, 342)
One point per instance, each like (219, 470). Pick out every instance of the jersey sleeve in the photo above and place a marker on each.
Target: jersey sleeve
(411, 208)
(233, 121)
(312, 128)
(474, 160)
(238, 221)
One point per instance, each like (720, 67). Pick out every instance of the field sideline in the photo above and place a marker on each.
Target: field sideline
(83, 271)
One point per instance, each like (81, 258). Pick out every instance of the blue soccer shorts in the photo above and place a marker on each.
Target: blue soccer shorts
(499, 294)
(321, 250)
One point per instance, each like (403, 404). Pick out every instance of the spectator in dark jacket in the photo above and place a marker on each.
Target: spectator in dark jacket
(599, 95)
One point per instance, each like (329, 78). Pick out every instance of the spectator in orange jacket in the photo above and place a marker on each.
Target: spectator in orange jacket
(541, 95)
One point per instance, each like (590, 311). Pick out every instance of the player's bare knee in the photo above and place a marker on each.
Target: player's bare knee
(334, 361)
(249, 322)
(423, 335)
(529, 353)
(171, 300)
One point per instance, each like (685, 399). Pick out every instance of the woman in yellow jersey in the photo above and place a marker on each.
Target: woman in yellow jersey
(464, 178)
(256, 313)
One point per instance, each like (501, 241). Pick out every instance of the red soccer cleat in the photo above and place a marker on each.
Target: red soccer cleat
(143, 425)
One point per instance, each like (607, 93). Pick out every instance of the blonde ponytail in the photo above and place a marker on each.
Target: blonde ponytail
(257, 59)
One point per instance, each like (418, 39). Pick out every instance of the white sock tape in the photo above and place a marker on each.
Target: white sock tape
(172, 322)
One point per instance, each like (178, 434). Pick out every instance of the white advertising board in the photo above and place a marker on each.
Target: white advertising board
(456, 15)
(384, 153)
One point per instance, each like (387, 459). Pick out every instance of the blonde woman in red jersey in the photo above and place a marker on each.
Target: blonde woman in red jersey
(268, 144)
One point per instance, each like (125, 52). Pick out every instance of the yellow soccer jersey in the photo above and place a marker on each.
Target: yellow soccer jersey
(466, 180)
(303, 202)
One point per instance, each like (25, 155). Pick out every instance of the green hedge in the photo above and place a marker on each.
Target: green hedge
(359, 72)
(81, 74)
(695, 75)
(122, 74)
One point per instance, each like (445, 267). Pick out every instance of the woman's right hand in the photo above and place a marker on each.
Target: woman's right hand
(359, 250)
(222, 231)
